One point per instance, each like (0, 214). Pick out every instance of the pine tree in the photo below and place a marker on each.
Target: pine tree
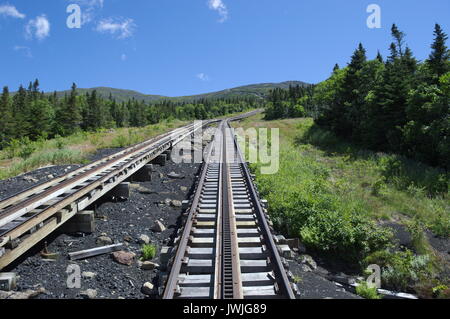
(20, 111)
(380, 57)
(399, 38)
(388, 113)
(69, 115)
(5, 117)
(439, 60)
(336, 68)
(40, 119)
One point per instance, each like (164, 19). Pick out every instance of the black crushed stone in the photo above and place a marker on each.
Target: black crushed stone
(133, 217)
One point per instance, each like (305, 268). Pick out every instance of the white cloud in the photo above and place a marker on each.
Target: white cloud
(39, 28)
(122, 28)
(123, 57)
(10, 11)
(26, 50)
(220, 7)
(89, 8)
(203, 77)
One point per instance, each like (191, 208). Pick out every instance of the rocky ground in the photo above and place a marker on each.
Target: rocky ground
(131, 222)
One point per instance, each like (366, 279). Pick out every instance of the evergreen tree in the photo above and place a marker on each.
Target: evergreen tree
(5, 117)
(336, 68)
(69, 116)
(439, 60)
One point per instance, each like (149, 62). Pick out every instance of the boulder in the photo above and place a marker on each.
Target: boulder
(184, 188)
(104, 241)
(89, 294)
(148, 265)
(158, 227)
(148, 289)
(128, 238)
(174, 175)
(88, 275)
(144, 239)
(123, 257)
(176, 203)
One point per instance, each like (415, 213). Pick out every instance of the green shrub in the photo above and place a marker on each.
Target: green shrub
(13, 148)
(406, 174)
(27, 148)
(303, 204)
(379, 187)
(363, 290)
(120, 141)
(148, 252)
(440, 226)
(402, 270)
(60, 142)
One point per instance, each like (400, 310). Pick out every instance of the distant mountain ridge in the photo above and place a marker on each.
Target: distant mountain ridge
(120, 95)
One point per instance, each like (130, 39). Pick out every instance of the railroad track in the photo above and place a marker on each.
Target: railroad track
(226, 250)
(28, 217)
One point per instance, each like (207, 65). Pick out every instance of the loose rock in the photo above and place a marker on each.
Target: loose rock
(128, 239)
(148, 289)
(89, 294)
(176, 203)
(104, 241)
(123, 257)
(22, 295)
(144, 239)
(148, 265)
(184, 188)
(30, 179)
(174, 175)
(88, 275)
(158, 227)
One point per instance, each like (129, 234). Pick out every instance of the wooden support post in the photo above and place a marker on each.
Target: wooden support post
(143, 175)
(166, 254)
(8, 281)
(82, 222)
(121, 191)
(168, 154)
(160, 160)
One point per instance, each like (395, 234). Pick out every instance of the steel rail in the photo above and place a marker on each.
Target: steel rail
(227, 260)
(172, 282)
(35, 189)
(280, 273)
(36, 200)
(68, 205)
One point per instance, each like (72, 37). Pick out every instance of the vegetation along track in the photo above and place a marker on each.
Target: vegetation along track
(28, 217)
(226, 250)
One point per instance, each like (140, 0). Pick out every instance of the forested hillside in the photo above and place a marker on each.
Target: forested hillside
(260, 91)
(397, 104)
(30, 114)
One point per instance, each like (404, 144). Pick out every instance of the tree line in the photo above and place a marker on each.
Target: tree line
(396, 105)
(30, 114)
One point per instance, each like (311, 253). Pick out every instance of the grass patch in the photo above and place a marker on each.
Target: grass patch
(148, 252)
(363, 290)
(23, 155)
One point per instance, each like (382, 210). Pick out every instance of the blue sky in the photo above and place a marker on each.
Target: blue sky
(184, 47)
